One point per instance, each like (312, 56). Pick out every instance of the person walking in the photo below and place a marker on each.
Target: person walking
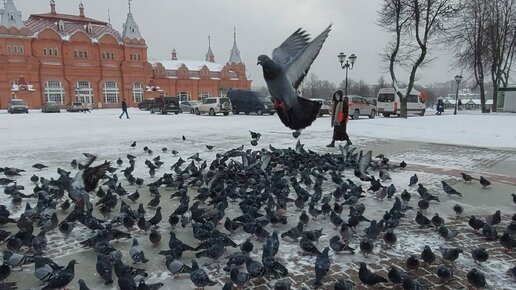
(440, 107)
(124, 109)
(339, 118)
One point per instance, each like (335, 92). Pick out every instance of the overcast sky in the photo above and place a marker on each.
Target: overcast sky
(261, 26)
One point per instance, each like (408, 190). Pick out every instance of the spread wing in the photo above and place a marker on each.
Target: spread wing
(290, 47)
(92, 175)
(297, 68)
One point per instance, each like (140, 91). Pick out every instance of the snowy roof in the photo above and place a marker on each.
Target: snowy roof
(235, 53)
(36, 24)
(131, 29)
(10, 16)
(190, 64)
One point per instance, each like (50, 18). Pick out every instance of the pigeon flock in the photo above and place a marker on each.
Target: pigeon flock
(238, 213)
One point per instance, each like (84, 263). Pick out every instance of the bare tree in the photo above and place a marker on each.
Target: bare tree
(501, 40)
(357, 88)
(316, 88)
(416, 24)
(468, 37)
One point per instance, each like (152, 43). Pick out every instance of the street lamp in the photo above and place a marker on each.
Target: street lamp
(346, 64)
(458, 79)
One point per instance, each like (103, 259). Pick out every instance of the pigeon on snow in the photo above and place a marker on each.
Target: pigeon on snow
(284, 73)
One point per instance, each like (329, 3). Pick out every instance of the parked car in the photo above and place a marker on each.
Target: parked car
(17, 106)
(75, 107)
(389, 102)
(145, 105)
(214, 106)
(325, 108)
(189, 106)
(165, 105)
(50, 107)
(360, 106)
(250, 102)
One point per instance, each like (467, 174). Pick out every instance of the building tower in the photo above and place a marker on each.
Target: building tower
(174, 54)
(209, 55)
(130, 28)
(10, 16)
(235, 53)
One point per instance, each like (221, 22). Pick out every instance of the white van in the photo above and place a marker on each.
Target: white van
(388, 102)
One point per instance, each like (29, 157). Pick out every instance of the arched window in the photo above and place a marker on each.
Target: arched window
(54, 92)
(137, 92)
(84, 92)
(111, 93)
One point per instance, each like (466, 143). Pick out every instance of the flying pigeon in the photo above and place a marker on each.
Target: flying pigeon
(284, 73)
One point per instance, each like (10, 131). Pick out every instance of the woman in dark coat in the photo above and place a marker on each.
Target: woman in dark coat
(339, 118)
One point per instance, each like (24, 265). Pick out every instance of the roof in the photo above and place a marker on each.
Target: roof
(67, 17)
(131, 29)
(10, 16)
(36, 24)
(235, 53)
(194, 65)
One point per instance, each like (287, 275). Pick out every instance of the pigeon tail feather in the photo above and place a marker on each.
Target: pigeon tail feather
(302, 116)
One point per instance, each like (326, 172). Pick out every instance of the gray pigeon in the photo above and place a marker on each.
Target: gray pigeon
(42, 271)
(284, 73)
(322, 266)
(136, 252)
(175, 266)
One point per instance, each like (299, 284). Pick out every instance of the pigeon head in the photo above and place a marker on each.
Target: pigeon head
(7, 255)
(270, 69)
(263, 59)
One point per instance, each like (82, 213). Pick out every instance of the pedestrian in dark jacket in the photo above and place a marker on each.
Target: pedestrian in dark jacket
(339, 118)
(440, 107)
(124, 109)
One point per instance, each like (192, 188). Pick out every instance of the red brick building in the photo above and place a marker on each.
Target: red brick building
(65, 58)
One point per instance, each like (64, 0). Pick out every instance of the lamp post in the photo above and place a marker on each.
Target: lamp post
(346, 64)
(458, 79)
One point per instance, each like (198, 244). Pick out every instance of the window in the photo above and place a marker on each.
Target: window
(137, 92)
(204, 95)
(184, 96)
(386, 98)
(15, 50)
(84, 92)
(81, 53)
(54, 92)
(21, 50)
(112, 56)
(111, 93)
(44, 51)
(412, 99)
(55, 52)
(9, 49)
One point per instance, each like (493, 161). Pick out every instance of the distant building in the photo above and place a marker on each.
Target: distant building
(65, 58)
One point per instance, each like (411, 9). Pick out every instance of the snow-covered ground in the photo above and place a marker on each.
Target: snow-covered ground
(37, 130)
(56, 139)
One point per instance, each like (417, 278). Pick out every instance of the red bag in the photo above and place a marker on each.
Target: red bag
(341, 117)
